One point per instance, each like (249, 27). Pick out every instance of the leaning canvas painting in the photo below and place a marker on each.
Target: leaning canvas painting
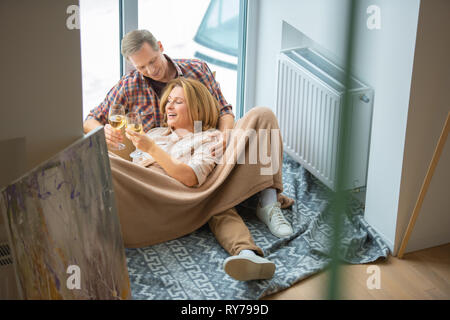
(63, 227)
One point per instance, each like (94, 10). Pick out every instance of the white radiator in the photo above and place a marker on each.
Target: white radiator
(309, 98)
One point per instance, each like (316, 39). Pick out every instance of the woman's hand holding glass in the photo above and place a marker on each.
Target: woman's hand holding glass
(134, 132)
(140, 140)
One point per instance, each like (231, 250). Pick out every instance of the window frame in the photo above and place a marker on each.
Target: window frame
(128, 21)
(242, 58)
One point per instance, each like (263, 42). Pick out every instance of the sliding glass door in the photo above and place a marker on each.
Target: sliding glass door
(99, 22)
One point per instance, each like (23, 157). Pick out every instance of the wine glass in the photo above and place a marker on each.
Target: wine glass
(116, 119)
(134, 122)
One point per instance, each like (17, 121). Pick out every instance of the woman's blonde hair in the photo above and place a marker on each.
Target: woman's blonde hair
(201, 104)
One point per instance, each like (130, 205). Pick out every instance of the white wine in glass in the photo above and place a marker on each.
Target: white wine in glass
(117, 120)
(134, 122)
(135, 127)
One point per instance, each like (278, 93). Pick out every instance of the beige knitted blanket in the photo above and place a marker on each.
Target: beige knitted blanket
(154, 207)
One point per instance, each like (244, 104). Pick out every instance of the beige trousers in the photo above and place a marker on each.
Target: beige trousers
(228, 226)
(232, 233)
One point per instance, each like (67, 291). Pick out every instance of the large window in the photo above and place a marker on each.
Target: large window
(203, 29)
(100, 52)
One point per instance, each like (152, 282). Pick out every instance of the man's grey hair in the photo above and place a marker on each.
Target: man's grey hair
(133, 41)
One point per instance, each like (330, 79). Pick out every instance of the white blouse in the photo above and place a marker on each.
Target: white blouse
(190, 148)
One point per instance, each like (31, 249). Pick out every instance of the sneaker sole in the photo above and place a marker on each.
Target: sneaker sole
(248, 268)
(280, 235)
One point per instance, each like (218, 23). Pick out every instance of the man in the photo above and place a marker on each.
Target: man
(141, 88)
(140, 91)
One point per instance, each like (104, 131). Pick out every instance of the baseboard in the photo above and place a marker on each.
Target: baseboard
(386, 240)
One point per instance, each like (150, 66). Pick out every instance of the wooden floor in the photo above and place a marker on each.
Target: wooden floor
(422, 274)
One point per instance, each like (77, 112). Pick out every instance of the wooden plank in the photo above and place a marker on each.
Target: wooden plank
(425, 185)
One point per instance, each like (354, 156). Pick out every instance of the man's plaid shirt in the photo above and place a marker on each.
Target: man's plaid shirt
(136, 94)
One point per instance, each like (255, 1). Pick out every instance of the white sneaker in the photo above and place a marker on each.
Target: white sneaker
(272, 216)
(248, 266)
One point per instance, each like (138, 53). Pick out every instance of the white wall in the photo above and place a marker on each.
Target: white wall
(41, 78)
(313, 18)
(384, 60)
(429, 105)
(41, 98)
(12, 164)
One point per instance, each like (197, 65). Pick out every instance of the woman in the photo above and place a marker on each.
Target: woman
(158, 203)
(179, 149)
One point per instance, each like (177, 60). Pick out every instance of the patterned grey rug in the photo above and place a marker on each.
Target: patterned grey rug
(191, 267)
